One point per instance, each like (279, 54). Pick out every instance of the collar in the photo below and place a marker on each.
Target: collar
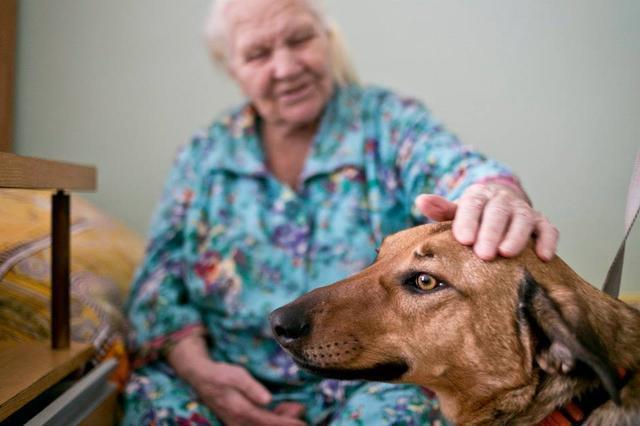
(578, 410)
(339, 141)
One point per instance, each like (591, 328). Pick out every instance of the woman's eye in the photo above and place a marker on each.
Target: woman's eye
(301, 39)
(426, 282)
(256, 55)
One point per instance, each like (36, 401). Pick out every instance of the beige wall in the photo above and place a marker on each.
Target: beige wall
(551, 88)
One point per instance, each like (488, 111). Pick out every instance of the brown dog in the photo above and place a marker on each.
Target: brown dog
(500, 342)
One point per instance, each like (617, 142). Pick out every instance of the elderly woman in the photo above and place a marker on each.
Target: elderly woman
(293, 190)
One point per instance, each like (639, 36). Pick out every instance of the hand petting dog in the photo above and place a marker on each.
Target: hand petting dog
(494, 218)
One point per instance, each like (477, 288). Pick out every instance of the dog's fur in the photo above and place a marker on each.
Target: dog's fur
(499, 342)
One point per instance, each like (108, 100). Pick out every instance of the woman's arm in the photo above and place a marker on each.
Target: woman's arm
(166, 322)
(188, 357)
(160, 309)
(446, 180)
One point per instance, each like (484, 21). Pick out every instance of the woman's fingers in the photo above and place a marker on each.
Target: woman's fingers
(495, 219)
(519, 232)
(547, 242)
(261, 417)
(290, 409)
(238, 410)
(470, 211)
(249, 387)
(435, 207)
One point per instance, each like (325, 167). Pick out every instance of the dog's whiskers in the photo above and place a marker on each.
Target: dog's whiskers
(333, 353)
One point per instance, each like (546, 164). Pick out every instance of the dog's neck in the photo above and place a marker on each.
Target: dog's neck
(530, 402)
(580, 409)
(589, 403)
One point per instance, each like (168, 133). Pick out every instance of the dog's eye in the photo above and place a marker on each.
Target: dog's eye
(426, 282)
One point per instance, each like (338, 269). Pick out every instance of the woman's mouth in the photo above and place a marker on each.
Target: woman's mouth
(295, 94)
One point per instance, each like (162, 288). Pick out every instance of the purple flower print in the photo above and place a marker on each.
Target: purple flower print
(333, 390)
(292, 238)
(283, 364)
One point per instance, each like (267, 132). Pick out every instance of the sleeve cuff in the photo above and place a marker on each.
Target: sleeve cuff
(509, 181)
(159, 346)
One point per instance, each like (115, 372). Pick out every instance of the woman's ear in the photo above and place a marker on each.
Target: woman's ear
(560, 347)
(228, 67)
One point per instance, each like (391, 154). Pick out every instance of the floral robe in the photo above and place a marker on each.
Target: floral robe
(229, 243)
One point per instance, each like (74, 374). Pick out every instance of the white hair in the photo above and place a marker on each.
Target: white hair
(215, 32)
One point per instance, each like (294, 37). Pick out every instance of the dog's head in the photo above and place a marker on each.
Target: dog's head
(430, 312)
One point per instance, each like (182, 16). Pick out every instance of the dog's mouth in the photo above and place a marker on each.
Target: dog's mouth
(338, 359)
(387, 371)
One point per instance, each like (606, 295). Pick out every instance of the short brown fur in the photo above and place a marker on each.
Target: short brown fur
(472, 341)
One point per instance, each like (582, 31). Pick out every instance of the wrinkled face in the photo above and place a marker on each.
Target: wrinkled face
(278, 53)
(428, 311)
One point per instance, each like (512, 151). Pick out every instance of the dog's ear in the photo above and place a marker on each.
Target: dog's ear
(560, 347)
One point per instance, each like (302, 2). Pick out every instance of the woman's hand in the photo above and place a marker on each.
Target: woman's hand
(233, 395)
(236, 398)
(495, 219)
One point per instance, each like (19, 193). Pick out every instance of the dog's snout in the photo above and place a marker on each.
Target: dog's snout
(289, 323)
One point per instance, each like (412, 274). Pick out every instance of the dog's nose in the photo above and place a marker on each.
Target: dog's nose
(289, 323)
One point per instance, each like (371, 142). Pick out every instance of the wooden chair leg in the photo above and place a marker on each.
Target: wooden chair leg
(60, 259)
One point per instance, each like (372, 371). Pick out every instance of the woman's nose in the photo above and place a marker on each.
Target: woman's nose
(285, 64)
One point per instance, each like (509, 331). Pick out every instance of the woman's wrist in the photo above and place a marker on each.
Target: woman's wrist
(188, 357)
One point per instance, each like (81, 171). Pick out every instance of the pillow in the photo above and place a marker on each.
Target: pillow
(104, 255)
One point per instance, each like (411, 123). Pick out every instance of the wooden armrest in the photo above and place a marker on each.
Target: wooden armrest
(33, 173)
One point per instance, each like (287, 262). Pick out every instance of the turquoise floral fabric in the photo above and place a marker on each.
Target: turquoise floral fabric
(229, 243)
